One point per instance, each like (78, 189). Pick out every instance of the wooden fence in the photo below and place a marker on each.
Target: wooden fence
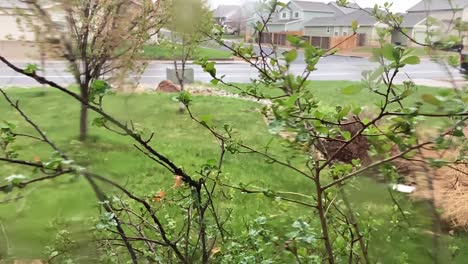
(342, 42)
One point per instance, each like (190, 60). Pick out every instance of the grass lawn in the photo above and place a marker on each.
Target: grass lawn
(26, 221)
(330, 93)
(160, 52)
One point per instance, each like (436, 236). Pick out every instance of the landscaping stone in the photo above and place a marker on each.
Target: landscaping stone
(167, 86)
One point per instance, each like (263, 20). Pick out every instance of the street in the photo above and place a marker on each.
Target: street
(330, 68)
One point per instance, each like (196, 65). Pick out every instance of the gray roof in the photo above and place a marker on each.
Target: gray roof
(410, 20)
(12, 4)
(225, 10)
(362, 17)
(313, 6)
(351, 7)
(432, 5)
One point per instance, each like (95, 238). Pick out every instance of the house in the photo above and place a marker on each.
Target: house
(228, 15)
(414, 26)
(340, 25)
(17, 39)
(292, 17)
(444, 12)
(10, 28)
(441, 9)
(349, 8)
(236, 17)
(16, 19)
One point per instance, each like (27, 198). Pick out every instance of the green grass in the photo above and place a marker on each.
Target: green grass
(160, 52)
(26, 221)
(329, 92)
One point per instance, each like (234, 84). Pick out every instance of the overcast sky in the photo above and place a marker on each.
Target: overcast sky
(398, 5)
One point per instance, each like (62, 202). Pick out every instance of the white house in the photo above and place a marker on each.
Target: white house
(340, 25)
(293, 16)
(444, 12)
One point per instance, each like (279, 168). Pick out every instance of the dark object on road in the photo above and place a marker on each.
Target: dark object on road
(449, 46)
(167, 86)
(464, 63)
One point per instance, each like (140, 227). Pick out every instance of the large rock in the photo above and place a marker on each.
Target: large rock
(167, 86)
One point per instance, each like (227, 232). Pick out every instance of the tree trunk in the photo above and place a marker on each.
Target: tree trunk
(83, 122)
(84, 115)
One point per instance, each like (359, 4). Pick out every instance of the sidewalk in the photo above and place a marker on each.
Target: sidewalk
(457, 83)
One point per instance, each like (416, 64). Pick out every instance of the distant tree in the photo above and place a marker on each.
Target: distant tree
(97, 38)
(189, 19)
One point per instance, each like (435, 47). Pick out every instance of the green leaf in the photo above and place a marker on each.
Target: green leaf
(99, 122)
(184, 97)
(206, 120)
(357, 110)
(431, 99)
(290, 56)
(209, 67)
(31, 68)
(346, 135)
(344, 111)
(377, 73)
(98, 88)
(294, 40)
(388, 52)
(354, 26)
(413, 60)
(351, 89)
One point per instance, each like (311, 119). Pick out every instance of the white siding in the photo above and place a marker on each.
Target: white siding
(276, 28)
(297, 26)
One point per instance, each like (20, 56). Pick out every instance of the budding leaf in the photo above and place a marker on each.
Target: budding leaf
(290, 56)
(352, 89)
(413, 60)
(354, 25)
(31, 68)
(429, 98)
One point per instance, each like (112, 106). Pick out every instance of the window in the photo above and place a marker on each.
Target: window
(283, 15)
(337, 33)
(345, 33)
(296, 14)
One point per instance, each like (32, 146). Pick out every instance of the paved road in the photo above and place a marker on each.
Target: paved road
(330, 68)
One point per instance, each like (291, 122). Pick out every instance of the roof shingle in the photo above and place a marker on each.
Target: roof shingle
(362, 17)
(433, 5)
(410, 20)
(225, 10)
(313, 6)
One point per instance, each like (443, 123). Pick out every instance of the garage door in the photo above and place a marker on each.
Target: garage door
(420, 36)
